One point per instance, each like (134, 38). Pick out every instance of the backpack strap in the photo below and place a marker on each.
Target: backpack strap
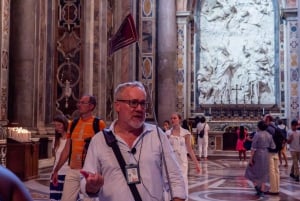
(96, 125)
(111, 141)
(73, 124)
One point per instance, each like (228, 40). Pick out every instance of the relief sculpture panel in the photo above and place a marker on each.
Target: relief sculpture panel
(237, 51)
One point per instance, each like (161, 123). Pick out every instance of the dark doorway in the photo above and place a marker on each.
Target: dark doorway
(229, 138)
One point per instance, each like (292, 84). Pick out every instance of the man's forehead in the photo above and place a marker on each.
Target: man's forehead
(134, 91)
(85, 98)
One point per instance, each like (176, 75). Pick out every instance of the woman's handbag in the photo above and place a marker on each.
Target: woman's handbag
(247, 144)
(201, 133)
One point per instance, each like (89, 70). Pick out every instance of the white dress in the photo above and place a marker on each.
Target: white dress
(63, 170)
(56, 191)
(179, 147)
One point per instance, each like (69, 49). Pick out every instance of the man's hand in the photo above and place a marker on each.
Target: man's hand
(54, 179)
(94, 181)
(198, 169)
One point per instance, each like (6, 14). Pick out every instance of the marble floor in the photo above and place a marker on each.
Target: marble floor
(221, 179)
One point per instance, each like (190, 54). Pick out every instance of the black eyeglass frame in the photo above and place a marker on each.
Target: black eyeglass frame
(134, 103)
(82, 103)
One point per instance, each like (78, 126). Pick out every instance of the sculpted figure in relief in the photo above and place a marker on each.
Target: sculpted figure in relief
(237, 49)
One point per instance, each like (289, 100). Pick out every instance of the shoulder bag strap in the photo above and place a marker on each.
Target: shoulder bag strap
(112, 142)
(203, 127)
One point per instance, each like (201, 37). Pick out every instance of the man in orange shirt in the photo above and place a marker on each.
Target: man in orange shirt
(74, 148)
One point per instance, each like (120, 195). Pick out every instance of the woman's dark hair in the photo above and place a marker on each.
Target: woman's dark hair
(261, 125)
(185, 124)
(167, 121)
(242, 132)
(62, 119)
(294, 122)
(202, 119)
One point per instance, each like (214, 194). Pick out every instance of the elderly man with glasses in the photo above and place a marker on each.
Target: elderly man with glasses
(145, 151)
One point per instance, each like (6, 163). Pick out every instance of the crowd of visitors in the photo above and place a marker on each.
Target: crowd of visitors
(143, 160)
(268, 149)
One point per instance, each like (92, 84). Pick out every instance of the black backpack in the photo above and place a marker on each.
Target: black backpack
(87, 140)
(284, 132)
(278, 140)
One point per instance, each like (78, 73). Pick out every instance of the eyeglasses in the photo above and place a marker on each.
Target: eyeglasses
(135, 103)
(82, 103)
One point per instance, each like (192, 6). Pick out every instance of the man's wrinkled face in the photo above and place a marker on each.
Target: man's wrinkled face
(131, 107)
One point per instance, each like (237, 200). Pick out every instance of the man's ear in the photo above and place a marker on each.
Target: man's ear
(117, 106)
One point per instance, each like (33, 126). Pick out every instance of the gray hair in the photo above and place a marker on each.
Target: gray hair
(121, 87)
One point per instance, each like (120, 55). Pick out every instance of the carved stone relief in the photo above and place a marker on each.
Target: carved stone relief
(236, 52)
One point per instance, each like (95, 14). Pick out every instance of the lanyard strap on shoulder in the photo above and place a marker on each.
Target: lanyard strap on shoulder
(112, 142)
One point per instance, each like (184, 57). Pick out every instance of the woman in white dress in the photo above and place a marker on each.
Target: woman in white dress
(61, 127)
(180, 140)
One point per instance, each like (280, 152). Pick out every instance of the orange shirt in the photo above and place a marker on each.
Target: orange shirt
(83, 130)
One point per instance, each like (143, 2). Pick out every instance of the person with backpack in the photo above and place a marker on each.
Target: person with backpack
(274, 174)
(282, 152)
(81, 131)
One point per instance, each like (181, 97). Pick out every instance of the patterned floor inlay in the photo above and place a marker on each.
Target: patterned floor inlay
(221, 179)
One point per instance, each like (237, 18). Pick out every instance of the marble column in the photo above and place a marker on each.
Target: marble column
(166, 69)
(3, 146)
(184, 62)
(4, 57)
(22, 63)
(4, 66)
(88, 48)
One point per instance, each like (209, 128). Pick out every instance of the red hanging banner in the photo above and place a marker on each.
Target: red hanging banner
(125, 36)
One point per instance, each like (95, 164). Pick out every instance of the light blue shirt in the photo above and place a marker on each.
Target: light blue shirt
(101, 158)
